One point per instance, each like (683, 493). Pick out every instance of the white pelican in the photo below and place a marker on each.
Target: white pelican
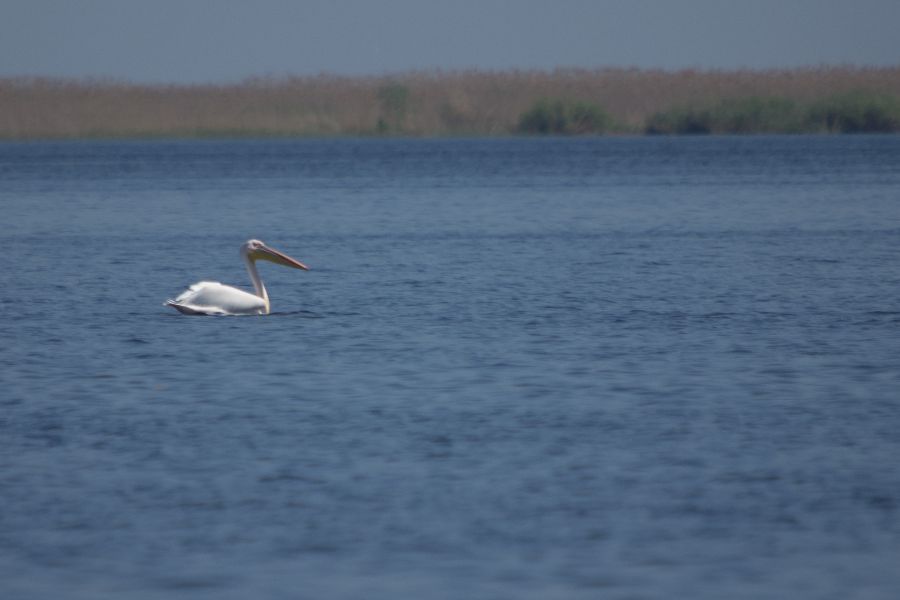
(213, 298)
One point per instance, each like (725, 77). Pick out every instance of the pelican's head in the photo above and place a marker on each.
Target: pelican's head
(257, 250)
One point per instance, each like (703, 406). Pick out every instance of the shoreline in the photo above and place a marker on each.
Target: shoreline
(288, 138)
(460, 104)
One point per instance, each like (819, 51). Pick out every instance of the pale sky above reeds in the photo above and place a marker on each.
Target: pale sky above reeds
(184, 41)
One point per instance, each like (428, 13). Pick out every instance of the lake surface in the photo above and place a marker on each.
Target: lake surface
(519, 368)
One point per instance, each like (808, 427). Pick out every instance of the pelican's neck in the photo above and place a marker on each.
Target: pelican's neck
(257, 282)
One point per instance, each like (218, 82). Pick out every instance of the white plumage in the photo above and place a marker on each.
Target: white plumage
(213, 298)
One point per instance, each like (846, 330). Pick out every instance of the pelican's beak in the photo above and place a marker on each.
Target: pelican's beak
(273, 255)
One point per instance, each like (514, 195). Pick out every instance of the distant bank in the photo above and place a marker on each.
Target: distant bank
(462, 103)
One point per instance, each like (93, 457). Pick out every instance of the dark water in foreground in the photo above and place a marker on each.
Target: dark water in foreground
(611, 368)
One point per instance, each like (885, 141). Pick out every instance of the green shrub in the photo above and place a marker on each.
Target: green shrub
(745, 115)
(558, 117)
(856, 112)
(681, 121)
(849, 113)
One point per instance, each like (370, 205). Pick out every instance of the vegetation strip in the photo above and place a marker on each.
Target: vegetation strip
(462, 103)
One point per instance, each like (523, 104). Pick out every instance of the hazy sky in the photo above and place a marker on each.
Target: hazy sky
(228, 40)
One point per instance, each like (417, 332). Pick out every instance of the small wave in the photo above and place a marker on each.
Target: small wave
(306, 314)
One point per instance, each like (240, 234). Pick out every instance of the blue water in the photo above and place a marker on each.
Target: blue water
(519, 368)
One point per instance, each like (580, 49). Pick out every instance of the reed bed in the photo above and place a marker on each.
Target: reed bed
(440, 103)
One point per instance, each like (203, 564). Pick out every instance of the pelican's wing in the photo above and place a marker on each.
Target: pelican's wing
(213, 298)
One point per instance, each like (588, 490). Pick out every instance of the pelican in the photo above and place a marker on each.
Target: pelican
(213, 298)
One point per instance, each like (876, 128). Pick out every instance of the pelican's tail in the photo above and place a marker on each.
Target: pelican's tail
(183, 309)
